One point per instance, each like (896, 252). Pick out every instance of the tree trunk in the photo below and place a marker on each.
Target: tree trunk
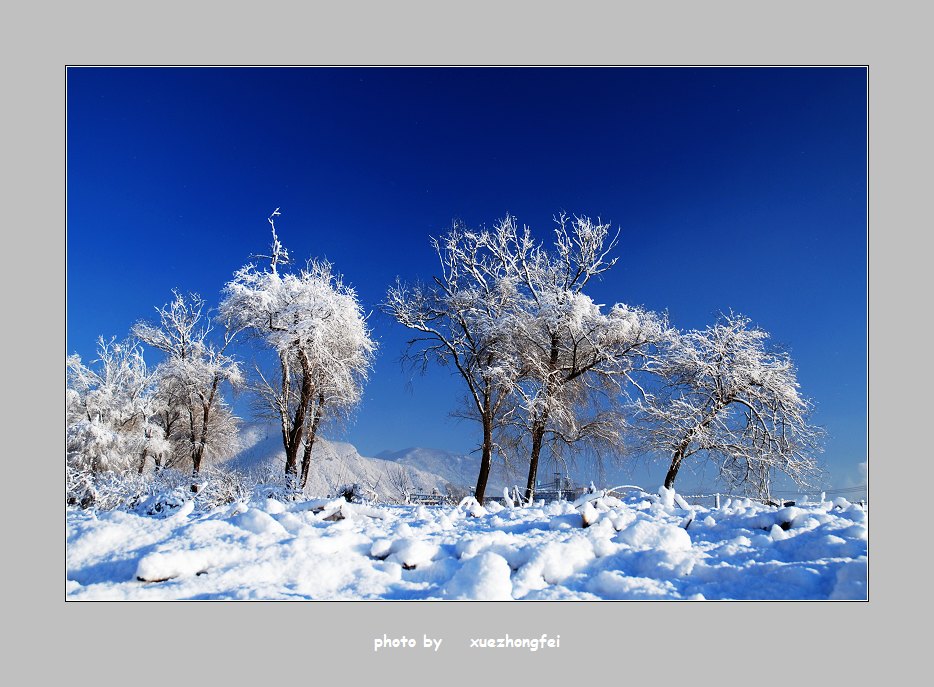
(538, 428)
(675, 466)
(538, 435)
(196, 459)
(285, 394)
(678, 456)
(193, 441)
(205, 417)
(310, 439)
(486, 460)
(199, 450)
(293, 438)
(196, 466)
(292, 441)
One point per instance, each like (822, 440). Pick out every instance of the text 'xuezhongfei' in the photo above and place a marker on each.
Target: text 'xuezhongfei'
(507, 642)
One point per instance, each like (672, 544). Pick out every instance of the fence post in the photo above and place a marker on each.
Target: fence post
(718, 501)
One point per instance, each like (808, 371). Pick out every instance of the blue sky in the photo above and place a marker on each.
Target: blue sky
(735, 188)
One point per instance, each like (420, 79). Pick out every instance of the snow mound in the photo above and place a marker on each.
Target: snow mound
(485, 578)
(645, 534)
(159, 567)
(412, 553)
(612, 584)
(258, 522)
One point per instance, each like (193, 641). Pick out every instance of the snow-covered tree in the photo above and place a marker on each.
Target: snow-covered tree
(574, 358)
(462, 319)
(192, 412)
(108, 409)
(727, 395)
(401, 483)
(316, 326)
(540, 359)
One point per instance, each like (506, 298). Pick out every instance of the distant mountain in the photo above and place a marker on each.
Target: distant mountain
(336, 463)
(463, 469)
(455, 468)
(333, 464)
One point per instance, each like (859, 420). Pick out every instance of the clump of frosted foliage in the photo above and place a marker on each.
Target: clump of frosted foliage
(157, 493)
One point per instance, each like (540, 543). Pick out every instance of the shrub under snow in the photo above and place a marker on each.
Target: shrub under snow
(162, 492)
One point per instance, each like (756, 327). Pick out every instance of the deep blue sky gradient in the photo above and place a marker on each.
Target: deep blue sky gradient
(735, 188)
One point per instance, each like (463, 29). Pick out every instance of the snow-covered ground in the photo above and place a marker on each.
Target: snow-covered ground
(646, 546)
